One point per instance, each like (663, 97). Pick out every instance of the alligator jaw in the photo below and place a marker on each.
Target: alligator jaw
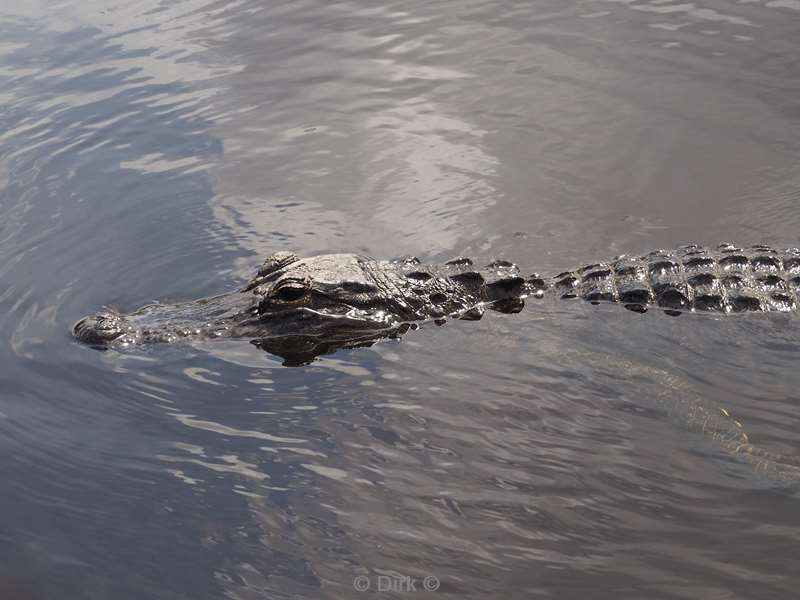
(212, 317)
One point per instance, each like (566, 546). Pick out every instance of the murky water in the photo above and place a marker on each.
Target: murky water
(158, 150)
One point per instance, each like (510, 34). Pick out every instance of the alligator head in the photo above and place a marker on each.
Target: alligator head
(301, 307)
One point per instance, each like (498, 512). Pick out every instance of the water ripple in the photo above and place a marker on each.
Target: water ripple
(158, 150)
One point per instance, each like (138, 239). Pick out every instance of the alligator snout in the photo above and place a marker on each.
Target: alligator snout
(100, 329)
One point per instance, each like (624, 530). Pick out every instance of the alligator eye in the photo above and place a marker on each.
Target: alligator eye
(291, 293)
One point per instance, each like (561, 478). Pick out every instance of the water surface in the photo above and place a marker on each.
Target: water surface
(159, 150)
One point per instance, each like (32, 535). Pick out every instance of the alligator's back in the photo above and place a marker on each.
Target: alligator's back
(723, 279)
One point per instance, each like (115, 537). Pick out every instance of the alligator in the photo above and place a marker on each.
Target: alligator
(299, 308)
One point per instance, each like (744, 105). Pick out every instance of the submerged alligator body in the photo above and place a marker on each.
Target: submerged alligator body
(299, 308)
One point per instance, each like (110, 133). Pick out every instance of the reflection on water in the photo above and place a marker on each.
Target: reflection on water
(158, 150)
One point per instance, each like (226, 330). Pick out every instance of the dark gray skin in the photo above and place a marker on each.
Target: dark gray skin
(300, 308)
(725, 279)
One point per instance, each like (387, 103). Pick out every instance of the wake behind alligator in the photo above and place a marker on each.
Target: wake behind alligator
(299, 308)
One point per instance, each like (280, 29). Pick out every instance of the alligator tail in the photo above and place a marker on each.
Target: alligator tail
(670, 393)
